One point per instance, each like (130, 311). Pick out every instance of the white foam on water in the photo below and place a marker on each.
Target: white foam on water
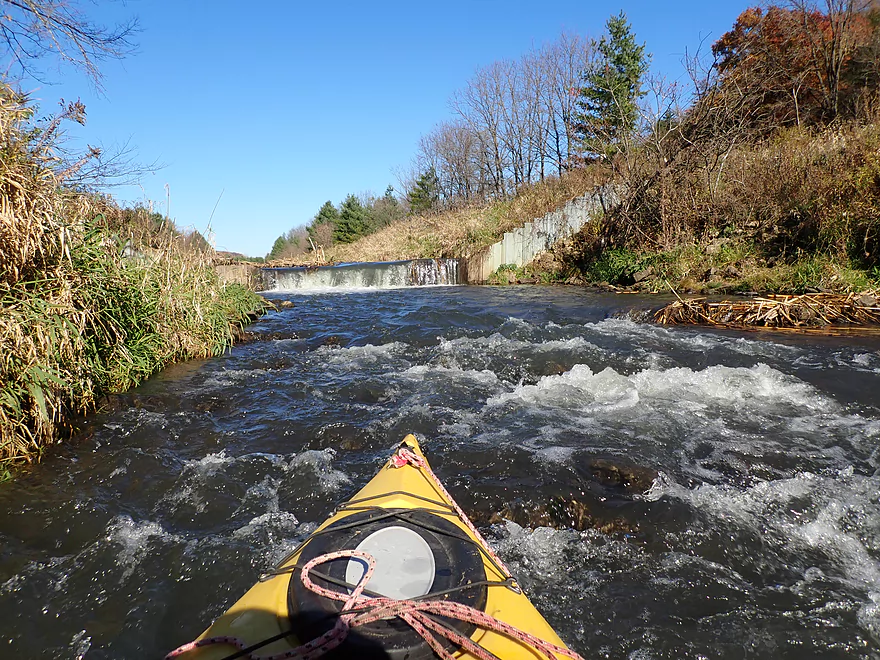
(541, 551)
(517, 322)
(192, 478)
(555, 454)
(499, 343)
(719, 386)
(232, 377)
(476, 353)
(864, 362)
(836, 515)
(200, 478)
(642, 654)
(348, 290)
(51, 566)
(362, 355)
(320, 462)
(209, 463)
(459, 428)
(80, 644)
(561, 568)
(134, 539)
(692, 341)
(272, 523)
(138, 418)
(453, 374)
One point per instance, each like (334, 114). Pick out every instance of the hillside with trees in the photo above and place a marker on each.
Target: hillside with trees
(760, 172)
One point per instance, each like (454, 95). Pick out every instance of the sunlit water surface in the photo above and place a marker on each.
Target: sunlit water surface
(758, 538)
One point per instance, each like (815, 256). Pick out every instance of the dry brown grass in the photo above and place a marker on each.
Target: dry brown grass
(89, 303)
(802, 190)
(821, 309)
(464, 232)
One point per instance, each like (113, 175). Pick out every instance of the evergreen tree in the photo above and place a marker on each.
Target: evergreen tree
(425, 193)
(326, 214)
(385, 210)
(612, 88)
(277, 248)
(353, 221)
(323, 225)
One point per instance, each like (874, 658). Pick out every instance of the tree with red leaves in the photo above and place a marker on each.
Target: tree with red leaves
(796, 59)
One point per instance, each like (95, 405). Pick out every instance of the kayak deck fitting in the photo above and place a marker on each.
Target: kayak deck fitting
(398, 572)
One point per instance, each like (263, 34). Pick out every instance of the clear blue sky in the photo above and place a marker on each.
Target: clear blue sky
(282, 106)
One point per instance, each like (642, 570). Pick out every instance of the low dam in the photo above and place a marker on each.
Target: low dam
(375, 275)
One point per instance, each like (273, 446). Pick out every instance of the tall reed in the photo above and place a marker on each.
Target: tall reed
(88, 304)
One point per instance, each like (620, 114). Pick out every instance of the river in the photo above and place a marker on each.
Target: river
(746, 525)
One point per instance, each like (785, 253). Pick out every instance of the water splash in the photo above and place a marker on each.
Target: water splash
(377, 275)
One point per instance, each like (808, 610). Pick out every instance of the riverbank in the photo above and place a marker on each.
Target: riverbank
(467, 229)
(764, 447)
(94, 298)
(790, 212)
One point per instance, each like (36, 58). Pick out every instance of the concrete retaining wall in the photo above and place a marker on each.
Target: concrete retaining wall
(521, 246)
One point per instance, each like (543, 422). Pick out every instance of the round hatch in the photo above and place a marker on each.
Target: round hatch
(404, 563)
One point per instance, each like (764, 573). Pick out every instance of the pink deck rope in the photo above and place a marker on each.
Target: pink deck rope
(360, 610)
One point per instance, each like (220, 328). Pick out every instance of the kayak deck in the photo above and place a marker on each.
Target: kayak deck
(403, 488)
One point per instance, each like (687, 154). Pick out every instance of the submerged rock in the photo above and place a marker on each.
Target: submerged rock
(633, 479)
(248, 337)
(559, 513)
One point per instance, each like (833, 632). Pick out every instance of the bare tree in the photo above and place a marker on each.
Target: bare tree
(832, 41)
(478, 106)
(564, 62)
(31, 30)
(513, 125)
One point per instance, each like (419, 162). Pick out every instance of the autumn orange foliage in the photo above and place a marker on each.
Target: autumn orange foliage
(800, 64)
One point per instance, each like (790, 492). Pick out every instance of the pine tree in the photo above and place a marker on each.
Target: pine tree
(327, 213)
(277, 248)
(385, 210)
(425, 193)
(612, 88)
(353, 221)
(322, 226)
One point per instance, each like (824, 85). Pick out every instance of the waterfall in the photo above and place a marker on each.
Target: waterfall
(376, 275)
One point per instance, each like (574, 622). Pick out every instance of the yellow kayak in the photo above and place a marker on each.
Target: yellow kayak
(397, 572)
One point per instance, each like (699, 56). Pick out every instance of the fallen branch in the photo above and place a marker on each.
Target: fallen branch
(808, 310)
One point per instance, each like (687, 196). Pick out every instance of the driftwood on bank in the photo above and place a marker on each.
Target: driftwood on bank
(776, 311)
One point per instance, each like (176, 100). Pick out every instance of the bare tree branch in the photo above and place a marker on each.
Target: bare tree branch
(31, 30)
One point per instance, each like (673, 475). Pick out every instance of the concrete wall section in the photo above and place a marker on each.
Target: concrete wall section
(517, 256)
(522, 245)
(507, 250)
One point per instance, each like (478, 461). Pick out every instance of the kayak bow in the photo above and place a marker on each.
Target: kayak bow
(398, 572)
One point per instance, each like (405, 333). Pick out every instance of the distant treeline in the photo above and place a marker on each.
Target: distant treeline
(355, 217)
(796, 65)
(514, 124)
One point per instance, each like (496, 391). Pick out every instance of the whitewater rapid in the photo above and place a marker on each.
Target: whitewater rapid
(755, 535)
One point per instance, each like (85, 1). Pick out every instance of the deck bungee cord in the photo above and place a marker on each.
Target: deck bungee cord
(450, 620)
